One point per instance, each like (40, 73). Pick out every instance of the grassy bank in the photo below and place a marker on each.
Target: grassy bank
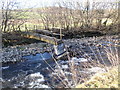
(107, 79)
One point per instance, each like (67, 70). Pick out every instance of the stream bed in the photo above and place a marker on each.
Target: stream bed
(33, 67)
(35, 72)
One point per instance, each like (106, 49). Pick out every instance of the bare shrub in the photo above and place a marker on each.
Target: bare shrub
(76, 72)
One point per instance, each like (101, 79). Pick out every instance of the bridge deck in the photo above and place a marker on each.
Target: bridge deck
(41, 37)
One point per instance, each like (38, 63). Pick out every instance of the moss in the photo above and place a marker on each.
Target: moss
(102, 80)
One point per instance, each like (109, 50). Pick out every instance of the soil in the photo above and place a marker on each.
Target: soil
(16, 38)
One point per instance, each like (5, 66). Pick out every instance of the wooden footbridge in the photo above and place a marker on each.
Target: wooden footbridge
(43, 35)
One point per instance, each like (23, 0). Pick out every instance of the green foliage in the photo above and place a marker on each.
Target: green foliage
(25, 15)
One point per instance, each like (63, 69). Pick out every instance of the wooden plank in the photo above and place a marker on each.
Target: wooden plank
(41, 37)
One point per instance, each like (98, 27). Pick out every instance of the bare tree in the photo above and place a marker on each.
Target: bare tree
(78, 14)
(6, 13)
(12, 15)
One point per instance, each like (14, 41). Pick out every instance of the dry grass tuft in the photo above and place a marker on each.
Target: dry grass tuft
(79, 73)
(102, 80)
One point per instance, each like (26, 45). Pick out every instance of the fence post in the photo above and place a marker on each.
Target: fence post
(25, 27)
(60, 33)
(19, 28)
(34, 27)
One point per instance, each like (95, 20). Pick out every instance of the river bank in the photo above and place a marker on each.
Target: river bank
(14, 54)
(33, 72)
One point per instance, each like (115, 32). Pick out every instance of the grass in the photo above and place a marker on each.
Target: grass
(35, 15)
(78, 79)
(107, 79)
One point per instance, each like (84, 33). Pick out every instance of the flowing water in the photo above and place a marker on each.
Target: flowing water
(34, 64)
(33, 72)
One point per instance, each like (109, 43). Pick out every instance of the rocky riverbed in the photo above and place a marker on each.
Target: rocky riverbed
(32, 72)
(15, 53)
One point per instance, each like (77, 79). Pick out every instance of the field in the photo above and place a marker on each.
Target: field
(67, 46)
